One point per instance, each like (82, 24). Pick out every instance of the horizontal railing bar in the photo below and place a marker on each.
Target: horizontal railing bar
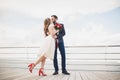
(17, 53)
(58, 53)
(59, 61)
(70, 64)
(95, 59)
(78, 58)
(35, 59)
(93, 53)
(65, 46)
(98, 70)
(93, 46)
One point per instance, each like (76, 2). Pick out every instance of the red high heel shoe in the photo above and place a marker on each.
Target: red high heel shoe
(31, 66)
(41, 72)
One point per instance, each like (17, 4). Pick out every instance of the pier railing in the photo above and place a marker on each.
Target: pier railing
(98, 58)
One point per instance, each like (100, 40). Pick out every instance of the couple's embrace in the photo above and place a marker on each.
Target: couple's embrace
(54, 33)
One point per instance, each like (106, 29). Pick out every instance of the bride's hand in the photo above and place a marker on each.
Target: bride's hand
(57, 31)
(54, 36)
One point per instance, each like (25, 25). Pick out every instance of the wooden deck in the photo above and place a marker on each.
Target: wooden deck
(23, 74)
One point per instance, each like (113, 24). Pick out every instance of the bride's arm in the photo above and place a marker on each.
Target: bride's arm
(52, 31)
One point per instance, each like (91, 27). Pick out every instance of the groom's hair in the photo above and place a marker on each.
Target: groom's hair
(54, 16)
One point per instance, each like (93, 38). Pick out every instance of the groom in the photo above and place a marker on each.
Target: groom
(60, 45)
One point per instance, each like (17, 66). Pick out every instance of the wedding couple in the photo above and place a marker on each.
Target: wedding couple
(54, 33)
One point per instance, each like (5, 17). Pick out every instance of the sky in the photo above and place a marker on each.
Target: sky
(87, 22)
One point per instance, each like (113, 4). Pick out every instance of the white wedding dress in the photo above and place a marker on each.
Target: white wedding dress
(47, 47)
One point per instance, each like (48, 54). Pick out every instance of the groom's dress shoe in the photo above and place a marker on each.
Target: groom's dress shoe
(55, 73)
(66, 73)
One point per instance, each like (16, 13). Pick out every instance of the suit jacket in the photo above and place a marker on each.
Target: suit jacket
(61, 34)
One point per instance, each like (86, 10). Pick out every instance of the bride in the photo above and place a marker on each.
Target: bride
(47, 48)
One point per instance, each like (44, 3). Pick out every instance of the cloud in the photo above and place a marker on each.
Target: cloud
(43, 8)
(90, 34)
(23, 13)
(112, 39)
(14, 36)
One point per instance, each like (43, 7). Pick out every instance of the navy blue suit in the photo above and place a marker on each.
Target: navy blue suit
(61, 49)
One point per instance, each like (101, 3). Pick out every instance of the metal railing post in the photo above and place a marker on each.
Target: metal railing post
(106, 57)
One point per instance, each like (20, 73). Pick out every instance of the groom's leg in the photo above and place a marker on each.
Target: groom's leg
(55, 60)
(62, 51)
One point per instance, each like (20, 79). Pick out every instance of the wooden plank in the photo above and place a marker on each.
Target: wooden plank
(14, 76)
(91, 76)
(102, 75)
(78, 77)
(66, 77)
(48, 77)
(58, 77)
(72, 75)
(83, 76)
(108, 75)
(24, 77)
(3, 71)
(7, 73)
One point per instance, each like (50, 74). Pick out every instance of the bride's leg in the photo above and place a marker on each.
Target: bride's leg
(32, 65)
(43, 62)
(39, 60)
(41, 70)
